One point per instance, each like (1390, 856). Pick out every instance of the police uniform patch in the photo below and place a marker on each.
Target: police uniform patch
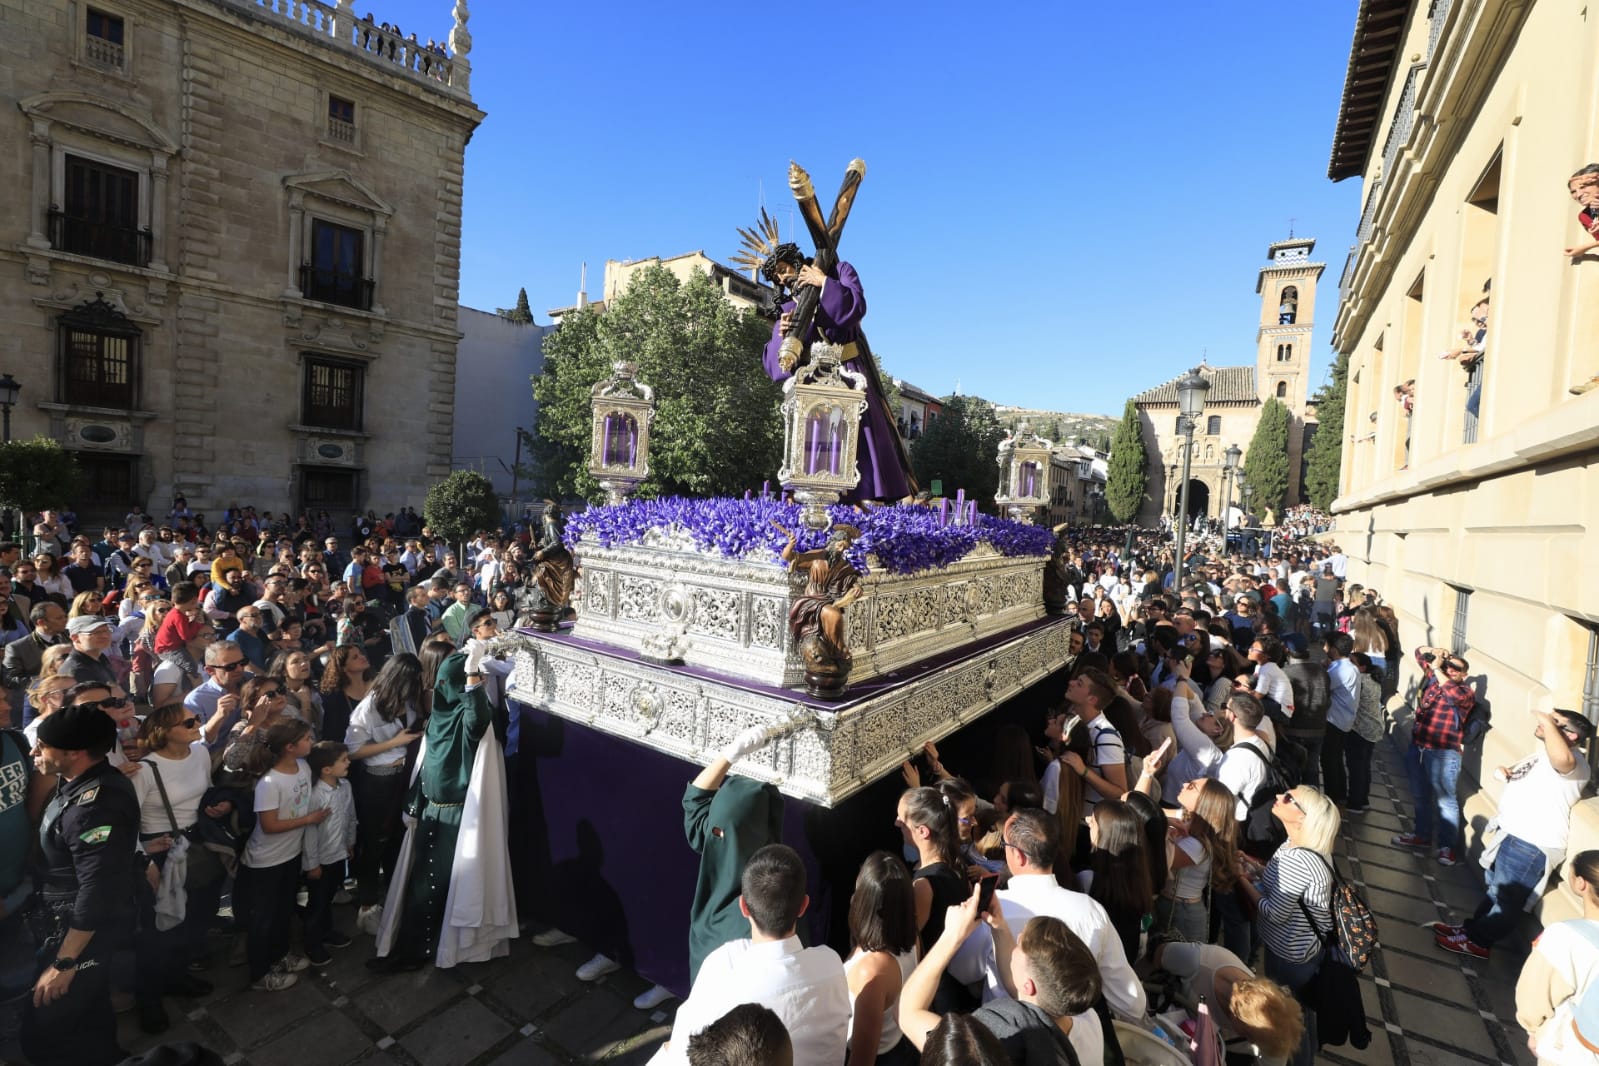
(88, 796)
(98, 835)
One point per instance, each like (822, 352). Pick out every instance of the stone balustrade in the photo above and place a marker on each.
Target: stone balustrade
(338, 23)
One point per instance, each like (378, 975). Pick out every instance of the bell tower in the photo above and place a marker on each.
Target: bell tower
(1287, 288)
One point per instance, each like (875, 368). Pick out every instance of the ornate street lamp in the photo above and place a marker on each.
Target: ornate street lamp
(619, 451)
(1023, 474)
(1191, 404)
(822, 407)
(8, 399)
(1229, 471)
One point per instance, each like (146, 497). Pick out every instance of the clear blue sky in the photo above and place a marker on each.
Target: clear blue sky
(1063, 205)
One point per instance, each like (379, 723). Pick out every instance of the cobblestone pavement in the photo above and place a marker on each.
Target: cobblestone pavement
(1424, 1006)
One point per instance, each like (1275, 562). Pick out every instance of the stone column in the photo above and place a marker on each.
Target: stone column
(380, 226)
(296, 238)
(40, 136)
(158, 210)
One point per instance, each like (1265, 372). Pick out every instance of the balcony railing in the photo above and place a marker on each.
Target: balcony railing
(341, 131)
(102, 240)
(335, 287)
(1437, 15)
(1404, 122)
(327, 20)
(99, 52)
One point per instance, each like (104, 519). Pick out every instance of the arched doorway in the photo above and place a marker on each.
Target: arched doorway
(1198, 499)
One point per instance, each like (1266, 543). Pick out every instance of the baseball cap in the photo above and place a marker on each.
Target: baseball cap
(86, 623)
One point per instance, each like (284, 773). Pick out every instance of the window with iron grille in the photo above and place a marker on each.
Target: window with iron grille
(335, 272)
(103, 39)
(329, 490)
(99, 215)
(1457, 630)
(1213, 425)
(1590, 679)
(99, 357)
(109, 481)
(332, 398)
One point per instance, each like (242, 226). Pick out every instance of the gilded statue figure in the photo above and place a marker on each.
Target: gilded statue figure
(816, 620)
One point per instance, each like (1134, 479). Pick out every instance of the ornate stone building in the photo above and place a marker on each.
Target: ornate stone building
(1287, 288)
(230, 239)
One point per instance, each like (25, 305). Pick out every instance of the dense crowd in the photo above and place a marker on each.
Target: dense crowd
(1149, 858)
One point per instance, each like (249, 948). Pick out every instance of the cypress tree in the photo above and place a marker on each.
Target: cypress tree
(1266, 462)
(1124, 485)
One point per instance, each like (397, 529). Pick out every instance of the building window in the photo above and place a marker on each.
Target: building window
(341, 120)
(334, 491)
(99, 357)
(109, 482)
(103, 40)
(1457, 629)
(99, 216)
(1177, 427)
(334, 272)
(1213, 425)
(1288, 306)
(332, 397)
(1282, 390)
(1285, 353)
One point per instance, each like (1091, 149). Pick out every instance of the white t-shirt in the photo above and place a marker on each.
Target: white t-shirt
(1537, 801)
(1189, 882)
(1105, 749)
(368, 727)
(1271, 681)
(290, 796)
(185, 780)
(1243, 772)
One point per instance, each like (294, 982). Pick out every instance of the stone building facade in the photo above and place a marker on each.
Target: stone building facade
(1477, 520)
(1287, 289)
(230, 238)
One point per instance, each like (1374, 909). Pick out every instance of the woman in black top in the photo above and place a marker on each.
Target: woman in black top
(345, 682)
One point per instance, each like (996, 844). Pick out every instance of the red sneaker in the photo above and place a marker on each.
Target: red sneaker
(1410, 840)
(1444, 928)
(1461, 944)
(1446, 857)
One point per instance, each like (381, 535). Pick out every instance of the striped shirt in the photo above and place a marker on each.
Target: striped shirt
(1295, 875)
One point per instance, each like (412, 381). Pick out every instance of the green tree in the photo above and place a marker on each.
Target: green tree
(36, 474)
(717, 430)
(961, 449)
(1125, 476)
(1266, 461)
(521, 313)
(1323, 464)
(461, 504)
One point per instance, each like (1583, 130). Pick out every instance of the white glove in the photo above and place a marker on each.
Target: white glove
(751, 740)
(476, 650)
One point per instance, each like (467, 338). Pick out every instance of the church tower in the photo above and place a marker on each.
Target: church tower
(1287, 288)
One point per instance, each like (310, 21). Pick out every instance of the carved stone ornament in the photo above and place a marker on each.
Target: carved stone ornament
(821, 755)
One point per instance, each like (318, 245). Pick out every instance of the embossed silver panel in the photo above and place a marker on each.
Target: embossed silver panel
(822, 756)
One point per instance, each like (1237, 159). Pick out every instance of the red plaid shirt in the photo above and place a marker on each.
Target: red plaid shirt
(1442, 710)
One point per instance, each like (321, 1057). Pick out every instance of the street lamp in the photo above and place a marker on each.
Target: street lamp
(1191, 404)
(1229, 471)
(8, 399)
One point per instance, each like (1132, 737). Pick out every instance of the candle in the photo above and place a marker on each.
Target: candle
(814, 427)
(971, 514)
(765, 486)
(960, 504)
(943, 511)
(605, 444)
(632, 442)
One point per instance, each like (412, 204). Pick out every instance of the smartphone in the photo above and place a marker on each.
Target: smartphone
(1160, 752)
(985, 891)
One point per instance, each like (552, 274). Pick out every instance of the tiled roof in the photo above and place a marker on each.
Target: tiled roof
(1228, 384)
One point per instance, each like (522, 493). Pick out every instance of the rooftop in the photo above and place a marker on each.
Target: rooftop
(1228, 384)
(1379, 34)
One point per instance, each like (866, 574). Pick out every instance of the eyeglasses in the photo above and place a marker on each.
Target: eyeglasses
(142, 566)
(106, 704)
(1288, 797)
(230, 667)
(189, 723)
(272, 694)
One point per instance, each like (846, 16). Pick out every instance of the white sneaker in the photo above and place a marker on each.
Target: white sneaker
(292, 963)
(275, 981)
(369, 919)
(652, 998)
(553, 938)
(596, 968)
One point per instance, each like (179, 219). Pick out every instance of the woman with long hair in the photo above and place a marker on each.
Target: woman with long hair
(929, 823)
(1293, 900)
(1368, 630)
(957, 1040)
(292, 670)
(1192, 850)
(1118, 871)
(346, 680)
(48, 577)
(382, 728)
(1226, 665)
(245, 758)
(91, 604)
(882, 935)
(1564, 960)
(1154, 825)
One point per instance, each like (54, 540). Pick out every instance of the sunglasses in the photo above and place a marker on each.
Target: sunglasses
(272, 694)
(230, 667)
(1288, 797)
(106, 704)
(189, 723)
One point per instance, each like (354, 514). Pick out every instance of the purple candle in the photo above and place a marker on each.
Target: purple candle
(632, 442)
(746, 494)
(765, 487)
(960, 505)
(943, 511)
(971, 513)
(605, 444)
(835, 441)
(813, 426)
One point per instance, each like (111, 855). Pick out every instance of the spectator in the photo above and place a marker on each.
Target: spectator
(1104, 771)
(805, 987)
(91, 637)
(882, 928)
(50, 579)
(381, 727)
(1554, 982)
(1247, 1008)
(927, 819)
(217, 700)
(345, 682)
(83, 573)
(1343, 704)
(1533, 825)
(329, 846)
(957, 1040)
(1432, 762)
(251, 638)
(24, 656)
(1367, 731)
(1308, 726)
(747, 1035)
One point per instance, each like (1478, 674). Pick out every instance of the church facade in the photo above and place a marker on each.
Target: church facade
(1287, 289)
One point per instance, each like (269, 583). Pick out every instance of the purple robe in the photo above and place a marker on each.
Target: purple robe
(838, 316)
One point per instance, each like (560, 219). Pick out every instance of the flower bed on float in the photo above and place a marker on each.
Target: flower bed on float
(708, 574)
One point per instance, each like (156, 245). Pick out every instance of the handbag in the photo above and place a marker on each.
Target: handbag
(204, 867)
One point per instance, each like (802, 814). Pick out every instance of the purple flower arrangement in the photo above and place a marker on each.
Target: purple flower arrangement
(903, 539)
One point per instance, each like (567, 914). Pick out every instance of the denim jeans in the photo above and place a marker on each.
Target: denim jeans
(1294, 976)
(1518, 871)
(1432, 773)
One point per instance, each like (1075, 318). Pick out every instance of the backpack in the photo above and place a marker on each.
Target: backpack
(1476, 724)
(1354, 926)
(1261, 835)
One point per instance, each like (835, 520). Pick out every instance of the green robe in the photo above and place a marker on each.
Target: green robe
(726, 826)
(459, 719)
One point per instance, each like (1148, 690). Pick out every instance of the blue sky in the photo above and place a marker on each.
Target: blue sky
(1063, 204)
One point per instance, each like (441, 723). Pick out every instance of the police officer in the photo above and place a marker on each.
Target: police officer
(89, 852)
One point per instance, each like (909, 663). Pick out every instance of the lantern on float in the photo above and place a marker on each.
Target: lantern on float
(822, 407)
(619, 452)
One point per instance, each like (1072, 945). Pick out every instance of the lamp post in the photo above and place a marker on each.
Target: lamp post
(1229, 471)
(1191, 403)
(8, 399)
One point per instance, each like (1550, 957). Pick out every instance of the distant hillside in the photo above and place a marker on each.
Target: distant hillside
(1058, 425)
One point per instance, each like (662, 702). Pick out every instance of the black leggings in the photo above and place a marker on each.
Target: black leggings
(378, 801)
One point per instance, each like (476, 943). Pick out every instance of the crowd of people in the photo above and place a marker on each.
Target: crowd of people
(230, 738)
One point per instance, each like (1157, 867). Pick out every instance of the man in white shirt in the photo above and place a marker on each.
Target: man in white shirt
(1032, 839)
(1534, 823)
(1243, 772)
(805, 987)
(1104, 773)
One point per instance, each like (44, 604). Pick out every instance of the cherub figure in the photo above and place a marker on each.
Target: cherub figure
(816, 620)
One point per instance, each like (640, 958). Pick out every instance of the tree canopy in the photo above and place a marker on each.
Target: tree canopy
(1124, 485)
(717, 430)
(522, 313)
(1324, 462)
(37, 474)
(461, 504)
(960, 448)
(1266, 461)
